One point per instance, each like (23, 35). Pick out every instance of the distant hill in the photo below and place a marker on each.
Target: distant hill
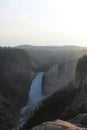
(46, 56)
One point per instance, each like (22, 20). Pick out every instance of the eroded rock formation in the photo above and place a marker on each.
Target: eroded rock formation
(58, 76)
(78, 123)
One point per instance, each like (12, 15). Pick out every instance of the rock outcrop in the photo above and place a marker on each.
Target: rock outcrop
(78, 123)
(50, 79)
(79, 104)
(80, 119)
(58, 76)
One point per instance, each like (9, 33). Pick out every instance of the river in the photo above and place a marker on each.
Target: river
(34, 96)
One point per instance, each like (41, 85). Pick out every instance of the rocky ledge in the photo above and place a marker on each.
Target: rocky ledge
(77, 123)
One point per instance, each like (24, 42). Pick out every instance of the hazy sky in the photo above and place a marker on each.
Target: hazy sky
(43, 22)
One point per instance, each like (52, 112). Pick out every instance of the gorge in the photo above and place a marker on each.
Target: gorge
(63, 82)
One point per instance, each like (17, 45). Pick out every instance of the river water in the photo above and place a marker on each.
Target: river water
(34, 96)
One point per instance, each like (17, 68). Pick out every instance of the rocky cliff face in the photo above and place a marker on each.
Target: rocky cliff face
(16, 73)
(78, 123)
(16, 68)
(79, 104)
(58, 76)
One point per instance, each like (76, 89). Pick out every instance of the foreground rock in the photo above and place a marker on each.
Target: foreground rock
(77, 123)
(80, 119)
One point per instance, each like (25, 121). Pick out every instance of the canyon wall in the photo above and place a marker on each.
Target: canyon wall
(16, 74)
(58, 76)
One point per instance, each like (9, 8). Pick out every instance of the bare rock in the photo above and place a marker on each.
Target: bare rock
(50, 79)
(58, 125)
(58, 76)
(80, 119)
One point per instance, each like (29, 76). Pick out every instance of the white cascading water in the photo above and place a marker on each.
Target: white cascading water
(35, 95)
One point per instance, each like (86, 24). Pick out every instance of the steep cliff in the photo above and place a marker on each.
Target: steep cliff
(79, 104)
(16, 73)
(58, 76)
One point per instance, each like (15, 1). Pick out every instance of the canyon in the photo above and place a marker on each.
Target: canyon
(64, 104)
(19, 67)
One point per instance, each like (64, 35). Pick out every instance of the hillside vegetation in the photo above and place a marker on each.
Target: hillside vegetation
(16, 73)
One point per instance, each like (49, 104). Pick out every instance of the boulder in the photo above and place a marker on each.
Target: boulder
(58, 125)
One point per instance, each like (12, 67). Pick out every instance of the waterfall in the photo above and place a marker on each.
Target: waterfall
(34, 96)
(35, 93)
